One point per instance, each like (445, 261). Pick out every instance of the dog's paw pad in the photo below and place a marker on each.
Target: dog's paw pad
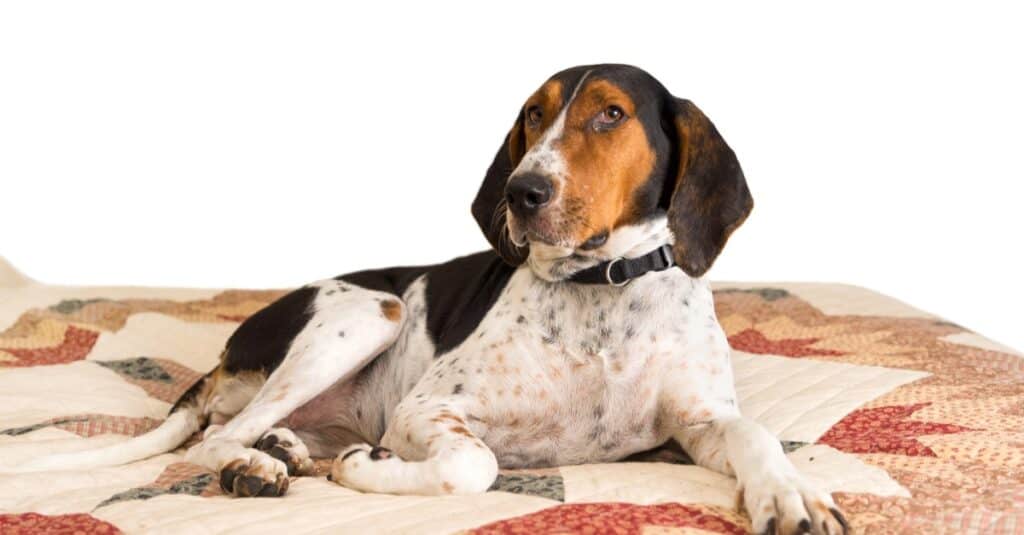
(361, 466)
(286, 447)
(378, 453)
(254, 477)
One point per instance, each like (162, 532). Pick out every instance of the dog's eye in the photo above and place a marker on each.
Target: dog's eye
(609, 117)
(534, 115)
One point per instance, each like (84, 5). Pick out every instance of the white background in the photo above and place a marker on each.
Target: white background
(256, 144)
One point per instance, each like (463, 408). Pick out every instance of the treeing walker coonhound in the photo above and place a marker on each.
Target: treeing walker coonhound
(586, 335)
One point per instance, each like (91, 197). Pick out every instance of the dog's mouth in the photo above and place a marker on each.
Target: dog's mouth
(535, 231)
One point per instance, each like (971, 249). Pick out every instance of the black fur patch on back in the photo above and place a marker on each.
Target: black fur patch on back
(393, 280)
(459, 292)
(261, 342)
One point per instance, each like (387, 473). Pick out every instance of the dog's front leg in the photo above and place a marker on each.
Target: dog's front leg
(777, 497)
(348, 327)
(434, 453)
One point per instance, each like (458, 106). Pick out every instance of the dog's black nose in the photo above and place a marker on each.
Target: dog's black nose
(528, 193)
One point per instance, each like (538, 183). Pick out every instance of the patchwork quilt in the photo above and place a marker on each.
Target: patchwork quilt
(914, 423)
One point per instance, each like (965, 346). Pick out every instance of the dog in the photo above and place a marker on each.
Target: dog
(587, 333)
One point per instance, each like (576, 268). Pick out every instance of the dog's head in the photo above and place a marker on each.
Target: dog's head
(602, 147)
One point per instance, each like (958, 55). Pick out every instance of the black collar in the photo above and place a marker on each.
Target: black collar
(619, 271)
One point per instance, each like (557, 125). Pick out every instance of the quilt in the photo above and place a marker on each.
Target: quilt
(914, 423)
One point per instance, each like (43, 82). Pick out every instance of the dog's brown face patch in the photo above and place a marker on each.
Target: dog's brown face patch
(598, 157)
(607, 160)
(539, 112)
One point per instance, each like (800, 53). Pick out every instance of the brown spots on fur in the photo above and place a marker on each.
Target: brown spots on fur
(517, 391)
(447, 416)
(391, 309)
(447, 487)
(460, 430)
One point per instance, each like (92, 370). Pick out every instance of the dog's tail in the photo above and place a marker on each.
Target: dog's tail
(186, 417)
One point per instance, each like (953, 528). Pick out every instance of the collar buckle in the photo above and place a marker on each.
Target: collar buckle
(666, 254)
(608, 273)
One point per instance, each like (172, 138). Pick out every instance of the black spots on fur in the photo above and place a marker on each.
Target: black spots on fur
(521, 319)
(635, 305)
(554, 333)
(686, 302)
(457, 390)
(341, 334)
(359, 414)
(590, 347)
(630, 332)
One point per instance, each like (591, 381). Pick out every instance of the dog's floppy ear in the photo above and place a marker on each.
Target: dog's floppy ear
(709, 198)
(489, 205)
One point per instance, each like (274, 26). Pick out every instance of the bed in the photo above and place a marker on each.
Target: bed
(913, 422)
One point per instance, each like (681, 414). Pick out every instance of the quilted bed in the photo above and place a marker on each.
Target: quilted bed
(913, 422)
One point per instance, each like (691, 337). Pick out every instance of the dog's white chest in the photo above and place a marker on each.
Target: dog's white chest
(564, 374)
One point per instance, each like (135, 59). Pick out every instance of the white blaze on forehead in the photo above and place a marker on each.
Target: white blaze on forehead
(543, 158)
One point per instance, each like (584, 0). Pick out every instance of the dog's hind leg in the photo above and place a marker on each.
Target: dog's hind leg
(345, 327)
(442, 456)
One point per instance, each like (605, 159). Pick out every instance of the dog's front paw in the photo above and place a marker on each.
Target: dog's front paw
(788, 505)
(362, 467)
(283, 445)
(254, 474)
